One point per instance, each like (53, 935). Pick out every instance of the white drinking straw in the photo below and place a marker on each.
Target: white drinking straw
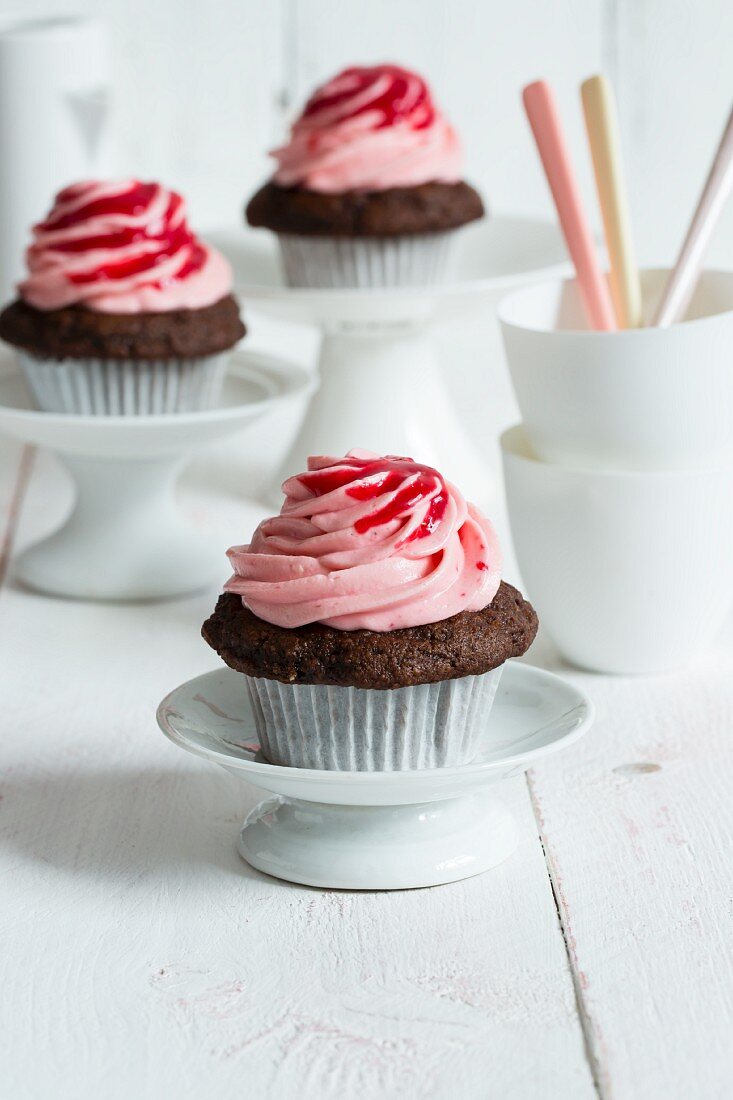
(681, 284)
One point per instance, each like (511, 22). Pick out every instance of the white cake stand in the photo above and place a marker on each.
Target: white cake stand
(379, 830)
(124, 538)
(381, 386)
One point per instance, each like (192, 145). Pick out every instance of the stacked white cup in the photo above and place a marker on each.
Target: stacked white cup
(620, 479)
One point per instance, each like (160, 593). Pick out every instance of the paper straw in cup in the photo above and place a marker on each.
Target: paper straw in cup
(544, 118)
(680, 288)
(601, 122)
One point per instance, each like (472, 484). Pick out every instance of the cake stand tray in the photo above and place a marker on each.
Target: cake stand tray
(379, 830)
(382, 386)
(125, 538)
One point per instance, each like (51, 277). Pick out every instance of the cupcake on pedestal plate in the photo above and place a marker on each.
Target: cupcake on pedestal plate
(368, 190)
(124, 310)
(369, 619)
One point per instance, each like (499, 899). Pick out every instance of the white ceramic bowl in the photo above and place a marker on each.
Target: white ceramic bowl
(629, 572)
(641, 399)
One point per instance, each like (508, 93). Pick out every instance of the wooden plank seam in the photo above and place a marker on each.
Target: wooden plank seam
(592, 1039)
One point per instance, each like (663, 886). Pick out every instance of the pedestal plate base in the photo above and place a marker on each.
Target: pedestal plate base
(378, 847)
(379, 830)
(125, 538)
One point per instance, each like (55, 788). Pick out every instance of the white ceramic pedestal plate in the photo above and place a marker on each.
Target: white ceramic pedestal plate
(124, 538)
(381, 383)
(379, 830)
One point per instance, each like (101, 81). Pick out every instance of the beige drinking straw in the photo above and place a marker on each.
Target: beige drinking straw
(681, 284)
(601, 120)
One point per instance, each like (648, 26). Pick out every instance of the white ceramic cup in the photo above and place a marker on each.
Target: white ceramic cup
(629, 572)
(640, 399)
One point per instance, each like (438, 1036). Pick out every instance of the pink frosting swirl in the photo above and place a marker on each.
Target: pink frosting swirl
(121, 247)
(364, 542)
(369, 129)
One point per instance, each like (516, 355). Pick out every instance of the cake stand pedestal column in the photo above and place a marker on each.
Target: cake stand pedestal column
(378, 847)
(382, 389)
(381, 382)
(124, 538)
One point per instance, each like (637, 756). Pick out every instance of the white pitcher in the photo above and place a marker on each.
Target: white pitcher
(54, 106)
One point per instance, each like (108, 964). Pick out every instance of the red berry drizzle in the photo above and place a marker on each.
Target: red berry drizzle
(131, 202)
(406, 98)
(371, 478)
(170, 232)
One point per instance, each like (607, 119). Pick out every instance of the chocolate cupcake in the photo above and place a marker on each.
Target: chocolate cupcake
(124, 310)
(368, 191)
(369, 619)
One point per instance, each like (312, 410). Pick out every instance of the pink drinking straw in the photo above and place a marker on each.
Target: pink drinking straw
(544, 118)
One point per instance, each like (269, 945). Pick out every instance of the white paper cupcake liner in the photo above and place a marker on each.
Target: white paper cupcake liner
(121, 387)
(357, 729)
(333, 262)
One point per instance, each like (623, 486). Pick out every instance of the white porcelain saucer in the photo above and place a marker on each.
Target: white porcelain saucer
(379, 830)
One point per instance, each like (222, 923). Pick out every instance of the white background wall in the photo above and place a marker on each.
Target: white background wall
(203, 87)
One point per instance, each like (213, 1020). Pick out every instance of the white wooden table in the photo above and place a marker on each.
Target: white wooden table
(142, 958)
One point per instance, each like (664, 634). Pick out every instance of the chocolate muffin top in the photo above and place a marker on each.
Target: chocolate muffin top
(82, 333)
(396, 211)
(467, 644)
